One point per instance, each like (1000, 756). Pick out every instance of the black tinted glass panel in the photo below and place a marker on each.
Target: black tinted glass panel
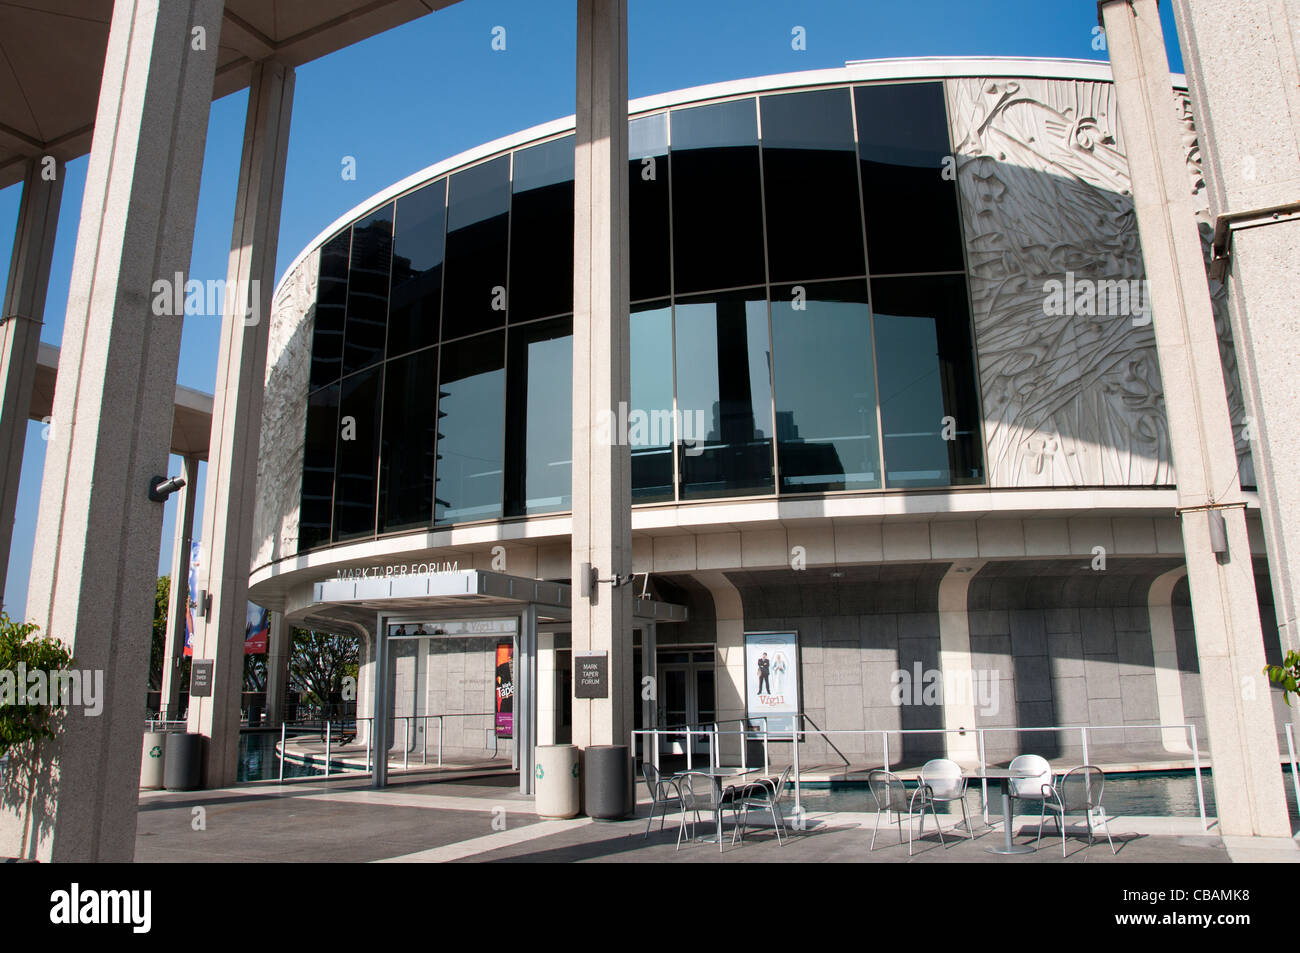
(478, 230)
(541, 231)
(358, 455)
(471, 425)
(648, 206)
(650, 416)
(410, 433)
(724, 395)
(539, 418)
(814, 226)
(825, 388)
(717, 215)
(331, 307)
(928, 403)
(417, 269)
(910, 208)
(372, 253)
(318, 467)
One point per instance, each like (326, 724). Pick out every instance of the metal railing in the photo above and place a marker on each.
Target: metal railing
(801, 733)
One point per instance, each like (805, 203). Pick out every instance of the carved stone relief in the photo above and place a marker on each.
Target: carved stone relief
(284, 415)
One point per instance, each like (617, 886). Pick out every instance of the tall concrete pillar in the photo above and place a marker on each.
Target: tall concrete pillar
(955, 662)
(20, 330)
(179, 594)
(1244, 81)
(231, 492)
(1238, 706)
(602, 482)
(279, 648)
(94, 567)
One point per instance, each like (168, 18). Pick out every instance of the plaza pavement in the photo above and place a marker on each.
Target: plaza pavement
(485, 819)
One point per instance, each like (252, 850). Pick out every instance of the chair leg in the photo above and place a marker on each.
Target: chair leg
(875, 830)
(1042, 822)
(970, 831)
(909, 831)
(776, 825)
(938, 825)
(1061, 824)
(650, 820)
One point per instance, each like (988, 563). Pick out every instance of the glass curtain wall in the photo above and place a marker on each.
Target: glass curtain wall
(799, 320)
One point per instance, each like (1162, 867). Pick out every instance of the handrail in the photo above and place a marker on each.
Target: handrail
(884, 733)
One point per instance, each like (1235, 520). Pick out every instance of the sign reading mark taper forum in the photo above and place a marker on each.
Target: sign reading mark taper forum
(590, 675)
(772, 679)
(201, 678)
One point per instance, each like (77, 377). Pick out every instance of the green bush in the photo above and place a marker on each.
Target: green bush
(20, 644)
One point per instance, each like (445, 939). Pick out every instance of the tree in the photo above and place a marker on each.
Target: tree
(1286, 675)
(319, 663)
(158, 649)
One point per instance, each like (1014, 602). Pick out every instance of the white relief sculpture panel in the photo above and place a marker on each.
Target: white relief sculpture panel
(1070, 399)
(284, 414)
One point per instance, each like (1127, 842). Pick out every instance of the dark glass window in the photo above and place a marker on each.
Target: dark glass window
(541, 231)
(318, 467)
(927, 374)
(478, 233)
(372, 253)
(717, 196)
(825, 387)
(650, 417)
(416, 296)
(471, 424)
(724, 389)
(410, 433)
(910, 208)
(331, 306)
(539, 418)
(358, 454)
(814, 225)
(648, 207)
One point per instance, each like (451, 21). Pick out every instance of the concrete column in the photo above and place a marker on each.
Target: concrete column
(1244, 81)
(602, 529)
(231, 492)
(179, 597)
(382, 706)
(20, 330)
(278, 650)
(1243, 744)
(955, 661)
(729, 671)
(1164, 650)
(94, 568)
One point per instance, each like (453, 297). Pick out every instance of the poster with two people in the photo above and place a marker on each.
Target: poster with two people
(772, 679)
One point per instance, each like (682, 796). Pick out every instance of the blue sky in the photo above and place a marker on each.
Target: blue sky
(412, 96)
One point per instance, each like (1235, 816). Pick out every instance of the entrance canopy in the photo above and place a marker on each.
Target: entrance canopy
(392, 593)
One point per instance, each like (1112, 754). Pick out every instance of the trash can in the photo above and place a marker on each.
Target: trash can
(151, 760)
(607, 782)
(556, 780)
(182, 761)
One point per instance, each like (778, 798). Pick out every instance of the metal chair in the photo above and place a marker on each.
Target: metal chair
(716, 801)
(1078, 792)
(764, 794)
(942, 781)
(1035, 789)
(890, 795)
(662, 794)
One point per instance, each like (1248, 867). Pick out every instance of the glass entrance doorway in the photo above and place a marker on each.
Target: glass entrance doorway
(687, 696)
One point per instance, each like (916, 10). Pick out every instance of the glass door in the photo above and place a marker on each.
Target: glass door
(686, 696)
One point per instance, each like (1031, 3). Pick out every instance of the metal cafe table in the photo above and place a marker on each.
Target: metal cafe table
(716, 775)
(1005, 776)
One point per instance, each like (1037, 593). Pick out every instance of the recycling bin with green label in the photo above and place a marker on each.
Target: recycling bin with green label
(555, 777)
(151, 760)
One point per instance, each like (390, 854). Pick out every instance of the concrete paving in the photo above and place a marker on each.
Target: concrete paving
(484, 818)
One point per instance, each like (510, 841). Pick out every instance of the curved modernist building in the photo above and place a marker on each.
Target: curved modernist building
(896, 416)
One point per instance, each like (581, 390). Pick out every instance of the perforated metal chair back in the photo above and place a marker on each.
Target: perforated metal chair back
(944, 779)
(889, 791)
(1080, 789)
(781, 783)
(1031, 788)
(651, 774)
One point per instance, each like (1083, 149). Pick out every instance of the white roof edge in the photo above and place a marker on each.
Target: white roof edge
(854, 71)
